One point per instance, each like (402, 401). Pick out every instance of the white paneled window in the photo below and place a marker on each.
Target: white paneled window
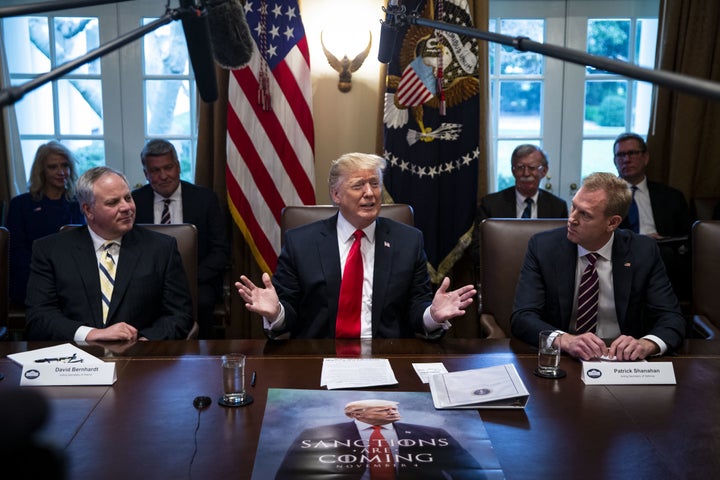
(105, 110)
(573, 112)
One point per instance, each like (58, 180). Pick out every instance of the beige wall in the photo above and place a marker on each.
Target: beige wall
(344, 122)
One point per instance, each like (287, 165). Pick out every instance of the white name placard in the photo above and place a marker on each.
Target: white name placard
(63, 365)
(628, 373)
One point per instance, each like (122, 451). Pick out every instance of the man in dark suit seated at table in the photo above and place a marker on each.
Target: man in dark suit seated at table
(385, 290)
(592, 281)
(109, 280)
(525, 199)
(186, 203)
(375, 444)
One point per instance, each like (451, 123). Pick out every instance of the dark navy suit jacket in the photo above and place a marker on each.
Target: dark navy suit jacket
(307, 280)
(644, 299)
(150, 293)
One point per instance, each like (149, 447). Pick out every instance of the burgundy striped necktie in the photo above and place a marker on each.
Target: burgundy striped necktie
(588, 294)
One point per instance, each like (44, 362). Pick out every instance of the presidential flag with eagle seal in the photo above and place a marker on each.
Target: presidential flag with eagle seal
(431, 130)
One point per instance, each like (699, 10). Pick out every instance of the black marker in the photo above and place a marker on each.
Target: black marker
(253, 378)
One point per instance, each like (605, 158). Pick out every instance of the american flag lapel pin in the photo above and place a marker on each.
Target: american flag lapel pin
(386, 244)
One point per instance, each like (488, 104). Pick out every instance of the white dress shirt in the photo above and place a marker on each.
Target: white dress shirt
(520, 204)
(645, 213)
(175, 207)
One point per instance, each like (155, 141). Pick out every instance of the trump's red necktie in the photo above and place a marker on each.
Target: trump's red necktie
(347, 324)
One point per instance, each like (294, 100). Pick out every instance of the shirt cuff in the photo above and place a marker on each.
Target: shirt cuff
(431, 325)
(657, 341)
(81, 333)
(279, 322)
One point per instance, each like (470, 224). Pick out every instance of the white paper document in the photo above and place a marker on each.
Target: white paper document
(491, 387)
(424, 370)
(356, 373)
(63, 364)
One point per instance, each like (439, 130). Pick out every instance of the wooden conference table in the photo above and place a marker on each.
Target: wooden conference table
(144, 425)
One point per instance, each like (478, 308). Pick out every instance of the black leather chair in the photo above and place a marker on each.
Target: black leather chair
(295, 216)
(705, 278)
(4, 281)
(503, 243)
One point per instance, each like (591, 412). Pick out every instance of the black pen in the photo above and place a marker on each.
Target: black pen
(253, 378)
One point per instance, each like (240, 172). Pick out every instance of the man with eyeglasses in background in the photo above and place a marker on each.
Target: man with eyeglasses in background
(657, 210)
(525, 199)
(662, 211)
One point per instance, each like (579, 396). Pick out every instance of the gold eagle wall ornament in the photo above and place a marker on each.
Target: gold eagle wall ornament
(344, 66)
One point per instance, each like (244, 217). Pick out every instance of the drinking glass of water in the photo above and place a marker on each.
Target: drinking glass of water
(233, 375)
(548, 356)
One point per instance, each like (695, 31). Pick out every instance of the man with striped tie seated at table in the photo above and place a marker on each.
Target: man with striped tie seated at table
(108, 280)
(592, 282)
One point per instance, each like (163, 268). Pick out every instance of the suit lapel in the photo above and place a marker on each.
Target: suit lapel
(85, 260)
(130, 253)
(509, 204)
(328, 258)
(565, 269)
(382, 268)
(188, 205)
(622, 274)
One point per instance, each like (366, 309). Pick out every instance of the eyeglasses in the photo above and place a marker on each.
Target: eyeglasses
(530, 168)
(629, 153)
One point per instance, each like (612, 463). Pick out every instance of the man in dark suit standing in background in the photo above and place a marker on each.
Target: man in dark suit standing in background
(166, 199)
(525, 199)
(657, 210)
(109, 280)
(592, 282)
(391, 295)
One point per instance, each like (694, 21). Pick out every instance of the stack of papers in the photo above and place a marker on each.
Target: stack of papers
(63, 364)
(356, 373)
(491, 387)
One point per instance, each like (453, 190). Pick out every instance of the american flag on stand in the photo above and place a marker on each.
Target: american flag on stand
(270, 148)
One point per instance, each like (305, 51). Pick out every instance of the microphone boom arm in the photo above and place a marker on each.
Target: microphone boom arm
(11, 95)
(676, 81)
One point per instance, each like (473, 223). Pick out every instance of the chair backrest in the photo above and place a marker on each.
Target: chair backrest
(503, 243)
(706, 270)
(186, 236)
(295, 216)
(4, 276)
(704, 207)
